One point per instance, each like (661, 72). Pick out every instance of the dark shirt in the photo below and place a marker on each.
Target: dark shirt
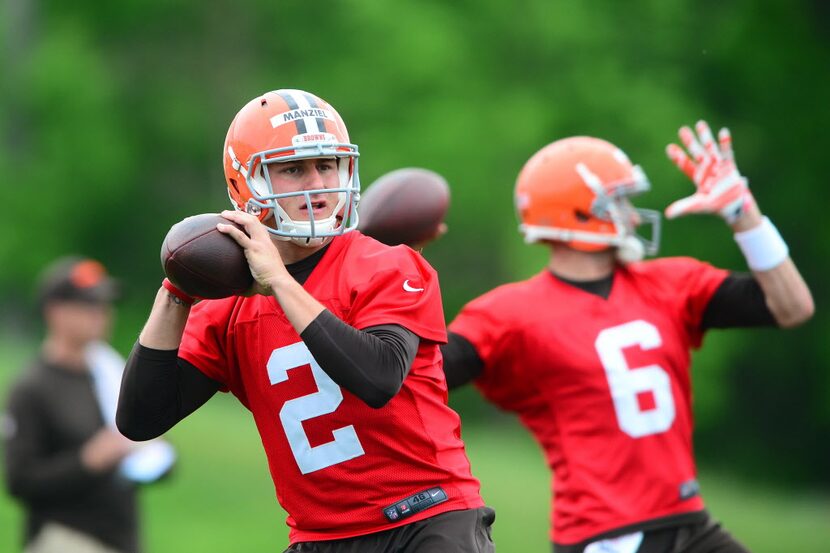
(51, 412)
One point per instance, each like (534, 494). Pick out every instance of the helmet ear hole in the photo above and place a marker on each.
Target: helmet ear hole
(233, 183)
(581, 216)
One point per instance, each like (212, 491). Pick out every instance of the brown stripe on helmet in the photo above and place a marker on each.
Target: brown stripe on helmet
(298, 122)
(312, 101)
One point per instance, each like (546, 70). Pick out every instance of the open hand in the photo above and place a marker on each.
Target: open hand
(720, 187)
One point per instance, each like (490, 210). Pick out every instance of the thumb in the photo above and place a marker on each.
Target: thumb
(684, 206)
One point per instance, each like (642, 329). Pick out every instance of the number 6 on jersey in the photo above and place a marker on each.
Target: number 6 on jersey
(627, 382)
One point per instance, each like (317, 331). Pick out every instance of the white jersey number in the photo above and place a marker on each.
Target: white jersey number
(627, 382)
(345, 445)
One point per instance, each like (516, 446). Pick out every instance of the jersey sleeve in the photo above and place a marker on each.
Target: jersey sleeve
(205, 341)
(405, 291)
(489, 324)
(483, 324)
(694, 283)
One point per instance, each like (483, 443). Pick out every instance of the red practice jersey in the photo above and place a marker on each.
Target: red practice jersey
(338, 464)
(603, 385)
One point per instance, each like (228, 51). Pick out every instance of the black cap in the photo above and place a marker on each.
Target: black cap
(77, 279)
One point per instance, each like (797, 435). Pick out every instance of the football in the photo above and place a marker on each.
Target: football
(405, 206)
(202, 261)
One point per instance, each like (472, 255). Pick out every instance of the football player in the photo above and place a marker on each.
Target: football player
(593, 352)
(335, 352)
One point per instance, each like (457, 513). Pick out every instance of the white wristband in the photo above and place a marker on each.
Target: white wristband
(762, 246)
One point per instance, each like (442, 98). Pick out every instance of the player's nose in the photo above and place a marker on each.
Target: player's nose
(314, 177)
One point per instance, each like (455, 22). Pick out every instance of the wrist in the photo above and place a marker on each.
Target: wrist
(280, 283)
(177, 295)
(762, 246)
(749, 216)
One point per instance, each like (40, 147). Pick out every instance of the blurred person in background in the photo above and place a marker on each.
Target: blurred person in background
(74, 474)
(335, 351)
(593, 352)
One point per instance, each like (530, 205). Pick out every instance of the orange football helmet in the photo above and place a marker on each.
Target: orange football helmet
(576, 191)
(285, 125)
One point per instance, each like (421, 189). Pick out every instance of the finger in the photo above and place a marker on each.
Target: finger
(690, 141)
(706, 139)
(679, 158)
(253, 227)
(725, 140)
(239, 217)
(234, 232)
(684, 206)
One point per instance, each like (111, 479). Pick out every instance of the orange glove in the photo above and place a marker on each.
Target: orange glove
(720, 187)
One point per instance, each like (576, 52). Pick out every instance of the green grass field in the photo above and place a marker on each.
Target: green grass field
(221, 498)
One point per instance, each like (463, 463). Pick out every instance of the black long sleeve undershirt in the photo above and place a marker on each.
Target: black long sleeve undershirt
(461, 361)
(159, 389)
(738, 302)
(372, 363)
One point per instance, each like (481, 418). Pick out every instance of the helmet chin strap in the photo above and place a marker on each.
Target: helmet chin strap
(306, 242)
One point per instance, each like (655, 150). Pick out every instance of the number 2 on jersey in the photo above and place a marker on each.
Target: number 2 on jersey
(627, 383)
(345, 445)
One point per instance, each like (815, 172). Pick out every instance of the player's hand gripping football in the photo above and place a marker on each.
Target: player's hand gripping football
(720, 187)
(263, 257)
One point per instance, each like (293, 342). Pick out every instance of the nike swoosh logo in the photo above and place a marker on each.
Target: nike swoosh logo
(433, 494)
(409, 288)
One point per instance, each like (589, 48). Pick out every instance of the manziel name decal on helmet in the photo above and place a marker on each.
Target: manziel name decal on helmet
(298, 117)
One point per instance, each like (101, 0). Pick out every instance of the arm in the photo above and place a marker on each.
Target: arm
(157, 389)
(372, 363)
(787, 295)
(722, 190)
(30, 474)
(165, 325)
(738, 302)
(34, 472)
(462, 363)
